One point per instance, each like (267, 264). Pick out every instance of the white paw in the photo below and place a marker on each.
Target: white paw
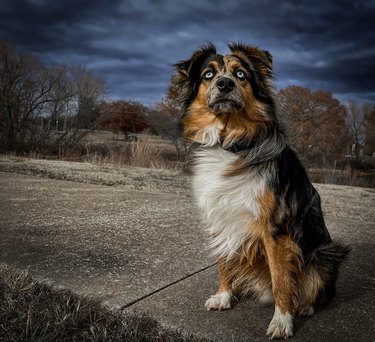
(281, 325)
(219, 301)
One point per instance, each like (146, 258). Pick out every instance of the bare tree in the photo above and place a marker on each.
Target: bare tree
(165, 119)
(369, 129)
(27, 92)
(34, 99)
(90, 92)
(356, 125)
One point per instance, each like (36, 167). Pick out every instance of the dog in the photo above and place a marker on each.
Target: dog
(264, 216)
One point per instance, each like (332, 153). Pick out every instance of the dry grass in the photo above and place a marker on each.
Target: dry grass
(142, 153)
(33, 311)
(154, 153)
(348, 176)
(129, 177)
(102, 147)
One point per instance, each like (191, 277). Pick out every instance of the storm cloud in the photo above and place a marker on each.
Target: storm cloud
(318, 44)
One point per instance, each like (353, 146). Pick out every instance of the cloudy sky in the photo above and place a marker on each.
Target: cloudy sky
(318, 44)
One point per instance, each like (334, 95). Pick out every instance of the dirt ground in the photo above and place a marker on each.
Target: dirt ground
(338, 200)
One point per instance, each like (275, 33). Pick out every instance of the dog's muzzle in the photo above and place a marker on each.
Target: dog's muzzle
(224, 97)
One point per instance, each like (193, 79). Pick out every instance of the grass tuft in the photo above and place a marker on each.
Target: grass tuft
(141, 153)
(34, 311)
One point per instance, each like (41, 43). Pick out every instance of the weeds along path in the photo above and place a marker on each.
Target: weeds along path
(134, 178)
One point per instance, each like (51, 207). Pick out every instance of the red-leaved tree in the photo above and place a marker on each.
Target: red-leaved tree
(123, 116)
(315, 123)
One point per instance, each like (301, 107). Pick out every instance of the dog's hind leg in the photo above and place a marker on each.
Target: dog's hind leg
(223, 299)
(309, 288)
(317, 284)
(327, 260)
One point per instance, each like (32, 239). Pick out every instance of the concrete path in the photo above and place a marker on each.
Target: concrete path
(147, 252)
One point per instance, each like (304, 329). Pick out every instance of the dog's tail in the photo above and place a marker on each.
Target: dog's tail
(327, 259)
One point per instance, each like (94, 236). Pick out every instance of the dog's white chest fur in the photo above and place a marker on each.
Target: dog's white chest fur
(228, 203)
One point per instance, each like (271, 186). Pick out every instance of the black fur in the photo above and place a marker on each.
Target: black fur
(188, 78)
(328, 258)
(298, 210)
(302, 214)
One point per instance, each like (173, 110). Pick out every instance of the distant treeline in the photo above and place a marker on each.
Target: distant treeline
(50, 109)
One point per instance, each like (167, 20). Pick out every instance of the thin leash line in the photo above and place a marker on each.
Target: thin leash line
(165, 287)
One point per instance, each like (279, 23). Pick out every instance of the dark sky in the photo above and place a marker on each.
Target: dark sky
(318, 44)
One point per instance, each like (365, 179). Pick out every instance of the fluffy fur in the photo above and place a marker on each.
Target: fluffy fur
(262, 212)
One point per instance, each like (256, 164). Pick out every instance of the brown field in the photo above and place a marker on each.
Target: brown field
(153, 152)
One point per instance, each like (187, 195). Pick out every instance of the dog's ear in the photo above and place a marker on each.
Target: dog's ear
(186, 80)
(189, 67)
(260, 64)
(261, 59)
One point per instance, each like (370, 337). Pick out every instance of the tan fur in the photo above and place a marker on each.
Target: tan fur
(310, 285)
(226, 278)
(284, 260)
(265, 261)
(240, 125)
(212, 65)
(245, 123)
(264, 64)
(199, 117)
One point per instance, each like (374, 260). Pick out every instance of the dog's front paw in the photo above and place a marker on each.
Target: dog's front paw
(281, 325)
(219, 301)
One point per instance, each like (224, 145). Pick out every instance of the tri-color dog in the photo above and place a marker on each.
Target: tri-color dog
(264, 215)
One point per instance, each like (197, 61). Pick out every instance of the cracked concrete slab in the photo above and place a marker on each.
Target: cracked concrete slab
(102, 241)
(350, 317)
(122, 245)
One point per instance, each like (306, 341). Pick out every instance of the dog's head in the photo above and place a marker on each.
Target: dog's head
(227, 97)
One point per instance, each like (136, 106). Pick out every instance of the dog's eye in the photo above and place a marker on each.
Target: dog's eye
(240, 74)
(208, 75)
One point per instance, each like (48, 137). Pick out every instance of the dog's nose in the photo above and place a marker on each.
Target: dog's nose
(225, 84)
